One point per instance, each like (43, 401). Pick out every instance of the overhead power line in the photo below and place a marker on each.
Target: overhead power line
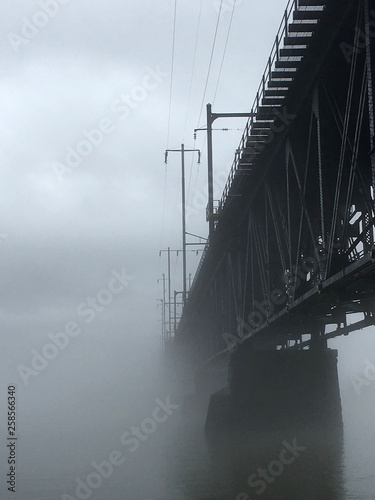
(225, 50)
(210, 63)
(193, 68)
(172, 71)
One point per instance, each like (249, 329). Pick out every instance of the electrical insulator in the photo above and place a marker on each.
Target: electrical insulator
(166, 157)
(199, 156)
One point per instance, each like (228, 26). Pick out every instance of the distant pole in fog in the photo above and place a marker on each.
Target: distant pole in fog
(164, 325)
(175, 309)
(183, 223)
(169, 293)
(164, 321)
(169, 303)
(169, 331)
(183, 150)
(175, 312)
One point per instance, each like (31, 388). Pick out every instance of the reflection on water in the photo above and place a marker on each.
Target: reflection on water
(275, 433)
(278, 465)
(242, 464)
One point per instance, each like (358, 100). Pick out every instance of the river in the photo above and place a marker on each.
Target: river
(119, 432)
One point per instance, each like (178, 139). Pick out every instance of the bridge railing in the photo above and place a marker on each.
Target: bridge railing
(202, 259)
(274, 56)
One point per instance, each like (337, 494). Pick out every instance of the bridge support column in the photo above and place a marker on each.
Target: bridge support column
(286, 389)
(278, 401)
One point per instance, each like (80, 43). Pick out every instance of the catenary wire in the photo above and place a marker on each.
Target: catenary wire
(172, 71)
(194, 64)
(225, 50)
(210, 63)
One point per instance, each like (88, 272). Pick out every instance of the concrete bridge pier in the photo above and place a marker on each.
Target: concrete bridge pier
(281, 389)
(277, 401)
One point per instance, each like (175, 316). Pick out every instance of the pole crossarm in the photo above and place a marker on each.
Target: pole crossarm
(179, 150)
(182, 150)
(176, 251)
(214, 116)
(169, 250)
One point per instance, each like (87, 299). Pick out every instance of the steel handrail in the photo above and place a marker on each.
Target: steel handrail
(291, 7)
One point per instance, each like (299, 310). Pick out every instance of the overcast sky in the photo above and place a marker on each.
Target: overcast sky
(85, 90)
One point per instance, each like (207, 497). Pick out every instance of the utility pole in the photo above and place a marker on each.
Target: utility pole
(162, 322)
(211, 117)
(169, 294)
(210, 213)
(183, 151)
(169, 303)
(163, 311)
(175, 310)
(169, 291)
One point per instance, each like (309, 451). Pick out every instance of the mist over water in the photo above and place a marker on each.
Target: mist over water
(70, 418)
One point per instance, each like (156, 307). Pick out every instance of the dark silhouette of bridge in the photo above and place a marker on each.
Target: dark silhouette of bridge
(291, 260)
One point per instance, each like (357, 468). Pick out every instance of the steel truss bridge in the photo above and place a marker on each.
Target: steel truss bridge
(292, 253)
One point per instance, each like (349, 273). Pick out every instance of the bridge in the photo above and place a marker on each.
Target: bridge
(290, 259)
(291, 252)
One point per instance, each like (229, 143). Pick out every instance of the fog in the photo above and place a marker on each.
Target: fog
(80, 234)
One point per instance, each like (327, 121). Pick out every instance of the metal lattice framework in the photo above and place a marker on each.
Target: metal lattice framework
(293, 246)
